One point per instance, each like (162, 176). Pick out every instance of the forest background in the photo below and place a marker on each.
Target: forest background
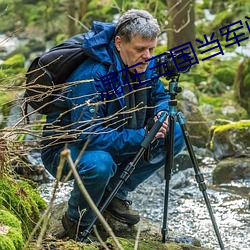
(221, 80)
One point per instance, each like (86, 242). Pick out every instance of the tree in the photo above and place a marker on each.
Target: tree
(181, 28)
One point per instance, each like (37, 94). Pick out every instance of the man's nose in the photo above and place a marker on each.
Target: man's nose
(146, 55)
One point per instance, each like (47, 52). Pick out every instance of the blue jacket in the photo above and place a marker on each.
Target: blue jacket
(88, 117)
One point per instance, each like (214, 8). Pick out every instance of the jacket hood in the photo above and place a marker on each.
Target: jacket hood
(98, 42)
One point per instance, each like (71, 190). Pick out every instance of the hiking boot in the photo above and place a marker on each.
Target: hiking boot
(75, 231)
(121, 211)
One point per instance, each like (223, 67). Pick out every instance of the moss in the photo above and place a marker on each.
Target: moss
(6, 243)
(13, 71)
(235, 125)
(220, 102)
(66, 245)
(16, 237)
(9, 219)
(13, 239)
(128, 244)
(238, 128)
(214, 101)
(16, 61)
(22, 200)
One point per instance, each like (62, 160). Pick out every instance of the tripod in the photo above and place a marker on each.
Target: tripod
(169, 163)
(129, 169)
(173, 90)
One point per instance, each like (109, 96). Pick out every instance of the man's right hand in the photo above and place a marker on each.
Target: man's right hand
(164, 128)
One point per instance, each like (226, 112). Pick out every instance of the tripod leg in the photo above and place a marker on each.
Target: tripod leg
(129, 168)
(199, 177)
(168, 173)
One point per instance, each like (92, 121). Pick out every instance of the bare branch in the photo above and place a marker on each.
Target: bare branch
(66, 154)
(77, 21)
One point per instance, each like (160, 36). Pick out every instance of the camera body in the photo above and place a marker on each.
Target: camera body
(172, 64)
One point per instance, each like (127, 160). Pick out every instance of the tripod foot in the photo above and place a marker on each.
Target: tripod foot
(164, 232)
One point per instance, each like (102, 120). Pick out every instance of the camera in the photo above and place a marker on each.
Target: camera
(172, 64)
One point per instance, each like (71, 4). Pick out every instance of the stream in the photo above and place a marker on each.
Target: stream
(187, 212)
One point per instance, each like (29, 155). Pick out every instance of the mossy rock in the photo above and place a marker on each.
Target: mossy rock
(21, 199)
(128, 244)
(11, 237)
(150, 235)
(231, 139)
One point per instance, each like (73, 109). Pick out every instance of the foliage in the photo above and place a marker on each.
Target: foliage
(17, 60)
(242, 84)
(222, 13)
(49, 20)
(212, 76)
(12, 70)
(218, 104)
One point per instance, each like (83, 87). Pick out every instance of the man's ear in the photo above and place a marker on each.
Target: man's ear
(118, 42)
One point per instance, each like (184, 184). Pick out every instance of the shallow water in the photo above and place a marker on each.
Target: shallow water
(187, 212)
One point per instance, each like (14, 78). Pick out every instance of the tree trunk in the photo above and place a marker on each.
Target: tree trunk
(83, 7)
(72, 13)
(181, 28)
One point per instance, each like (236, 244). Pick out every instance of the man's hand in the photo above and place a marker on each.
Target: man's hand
(164, 128)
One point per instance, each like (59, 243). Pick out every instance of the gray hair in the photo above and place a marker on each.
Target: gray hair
(137, 22)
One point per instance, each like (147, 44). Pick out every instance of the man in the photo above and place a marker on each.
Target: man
(107, 114)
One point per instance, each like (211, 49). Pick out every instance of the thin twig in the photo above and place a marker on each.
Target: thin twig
(99, 238)
(77, 21)
(45, 217)
(66, 154)
(137, 236)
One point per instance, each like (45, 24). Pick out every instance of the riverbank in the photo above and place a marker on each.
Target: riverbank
(188, 215)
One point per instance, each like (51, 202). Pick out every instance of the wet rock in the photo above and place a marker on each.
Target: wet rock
(197, 125)
(181, 179)
(231, 169)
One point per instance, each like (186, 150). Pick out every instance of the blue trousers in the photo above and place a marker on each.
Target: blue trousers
(100, 170)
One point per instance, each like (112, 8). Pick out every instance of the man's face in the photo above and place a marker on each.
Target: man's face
(138, 50)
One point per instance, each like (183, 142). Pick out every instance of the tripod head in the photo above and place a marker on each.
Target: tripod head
(174, 89)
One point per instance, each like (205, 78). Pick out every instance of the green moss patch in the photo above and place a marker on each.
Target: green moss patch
(128, 244)
(22, 200)
(10, 231)
(232, 136)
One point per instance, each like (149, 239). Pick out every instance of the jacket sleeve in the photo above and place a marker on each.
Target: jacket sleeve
(88, 121)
